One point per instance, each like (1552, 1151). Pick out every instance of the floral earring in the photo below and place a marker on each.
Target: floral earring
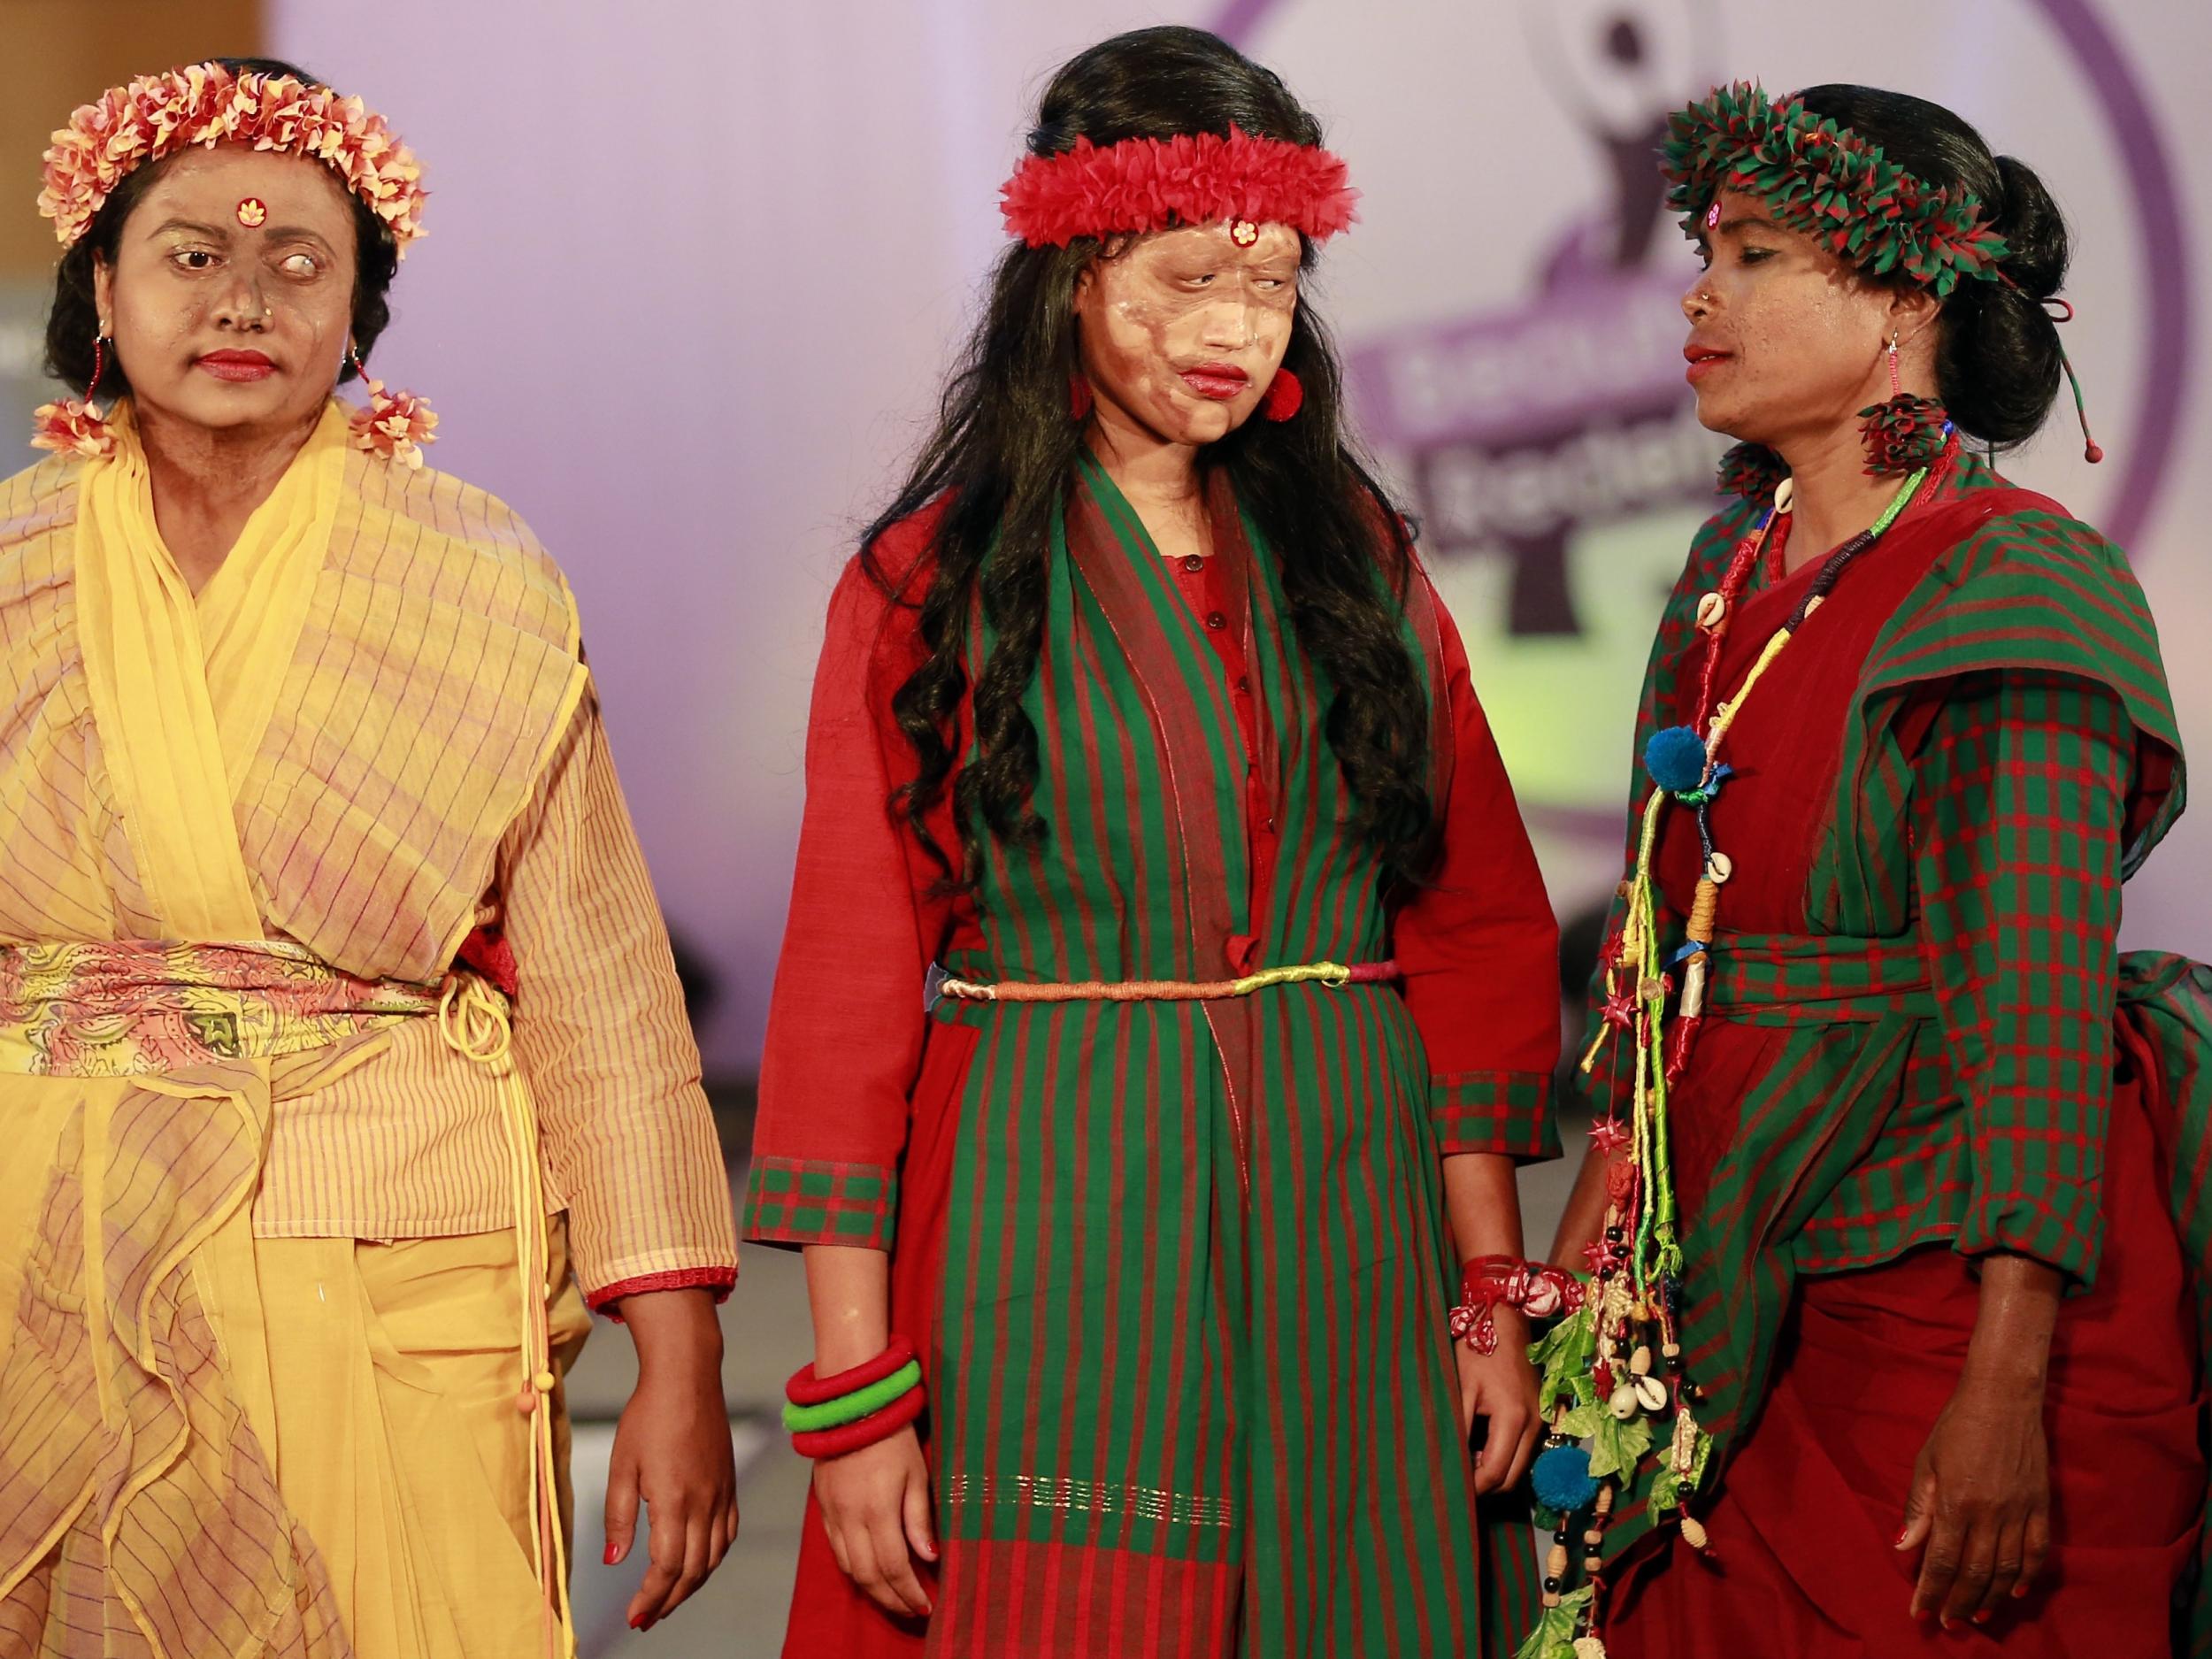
(75, 425)
(1905, 434)
(394, 424)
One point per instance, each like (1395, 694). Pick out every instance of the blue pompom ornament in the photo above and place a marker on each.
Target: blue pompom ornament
(1676, 759)
(1562, 1479)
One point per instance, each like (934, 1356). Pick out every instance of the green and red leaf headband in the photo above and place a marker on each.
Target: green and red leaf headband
(1147, 184)
(1824, 180)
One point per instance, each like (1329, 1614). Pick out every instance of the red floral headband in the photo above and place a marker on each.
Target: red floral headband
(1147, 184)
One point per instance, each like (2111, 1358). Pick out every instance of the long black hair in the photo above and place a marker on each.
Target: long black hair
(74, 323)
(1005, 450)
(1999, 360)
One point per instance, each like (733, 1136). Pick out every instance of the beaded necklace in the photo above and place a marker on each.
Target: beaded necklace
(1598, 1382)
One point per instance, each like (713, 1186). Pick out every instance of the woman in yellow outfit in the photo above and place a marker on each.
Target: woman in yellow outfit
(341, 1056)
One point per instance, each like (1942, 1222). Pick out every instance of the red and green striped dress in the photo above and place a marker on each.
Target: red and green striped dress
(1923, 1046)
(1180, 1271)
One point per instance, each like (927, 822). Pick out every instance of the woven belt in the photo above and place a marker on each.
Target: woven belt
(941, 983)
(134, 1008)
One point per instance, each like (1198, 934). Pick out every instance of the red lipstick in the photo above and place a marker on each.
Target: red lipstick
(238, 367)
(1221, 381)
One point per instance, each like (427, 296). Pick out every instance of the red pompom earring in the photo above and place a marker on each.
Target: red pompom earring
(1078, 398)
(1284, 396)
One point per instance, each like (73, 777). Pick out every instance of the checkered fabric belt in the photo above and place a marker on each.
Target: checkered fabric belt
(1817, 980)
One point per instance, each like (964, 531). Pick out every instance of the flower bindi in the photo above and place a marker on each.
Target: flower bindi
(252, 213)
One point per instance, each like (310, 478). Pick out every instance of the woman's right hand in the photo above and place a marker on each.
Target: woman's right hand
(875, 1503)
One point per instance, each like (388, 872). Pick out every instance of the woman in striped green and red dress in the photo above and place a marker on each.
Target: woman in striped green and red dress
(1168, 991)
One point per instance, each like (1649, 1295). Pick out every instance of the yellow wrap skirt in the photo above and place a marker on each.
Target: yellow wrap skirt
(212, 1444)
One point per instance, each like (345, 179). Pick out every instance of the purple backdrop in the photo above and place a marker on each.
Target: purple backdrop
(694, 270)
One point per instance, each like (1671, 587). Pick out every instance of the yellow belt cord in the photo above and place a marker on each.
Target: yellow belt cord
(473, 1019)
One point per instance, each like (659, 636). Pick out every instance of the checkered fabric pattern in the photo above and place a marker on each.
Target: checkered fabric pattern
(1494, 1112)
(791, 1200)
(1944, 1073)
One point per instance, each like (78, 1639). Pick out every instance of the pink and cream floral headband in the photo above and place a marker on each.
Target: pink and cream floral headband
(207, 104)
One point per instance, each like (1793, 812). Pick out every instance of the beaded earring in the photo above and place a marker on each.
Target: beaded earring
(1905, 434)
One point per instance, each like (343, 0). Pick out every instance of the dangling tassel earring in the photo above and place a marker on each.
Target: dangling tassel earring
(2092, 451)
(73, 426)
(1079, 399)
(1906, 433)
(1284, 396)
(394, 424)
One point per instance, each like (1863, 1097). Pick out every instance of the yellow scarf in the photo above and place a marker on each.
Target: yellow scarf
(182, 687)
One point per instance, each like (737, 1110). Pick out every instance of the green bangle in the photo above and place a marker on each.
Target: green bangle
(851, 1407)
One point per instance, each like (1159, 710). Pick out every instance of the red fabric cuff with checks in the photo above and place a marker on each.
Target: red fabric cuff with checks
(792, 1200)
(1507, 1112)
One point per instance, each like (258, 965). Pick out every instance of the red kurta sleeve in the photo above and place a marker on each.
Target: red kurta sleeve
(846, 1021)
(1479, 949)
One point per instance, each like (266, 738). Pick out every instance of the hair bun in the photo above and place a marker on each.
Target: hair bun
(1999, 363)
(1998, 369)
(2033, 228)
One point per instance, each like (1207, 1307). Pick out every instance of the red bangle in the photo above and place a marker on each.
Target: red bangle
(850, 1437)
(806, 1389)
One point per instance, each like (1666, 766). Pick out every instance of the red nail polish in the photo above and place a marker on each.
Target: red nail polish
(1902, 1533)
(614, 1554)
(1982, 1617)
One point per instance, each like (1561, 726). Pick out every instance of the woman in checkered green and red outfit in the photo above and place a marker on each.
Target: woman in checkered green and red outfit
(1936, 1308)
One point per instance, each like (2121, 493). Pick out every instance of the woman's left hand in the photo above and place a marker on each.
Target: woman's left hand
(1980, 1501)
(672, 1449)
(1501, 1389)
